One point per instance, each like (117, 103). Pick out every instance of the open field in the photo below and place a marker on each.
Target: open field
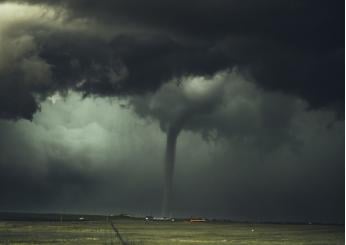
(166, 233)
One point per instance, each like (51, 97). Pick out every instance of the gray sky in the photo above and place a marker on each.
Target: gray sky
(88, 91)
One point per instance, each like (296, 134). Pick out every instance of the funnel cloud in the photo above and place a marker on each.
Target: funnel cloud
(172, 135)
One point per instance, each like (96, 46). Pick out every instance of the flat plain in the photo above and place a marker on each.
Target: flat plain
(166, 233)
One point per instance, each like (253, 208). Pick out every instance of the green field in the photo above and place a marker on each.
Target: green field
(166, 233)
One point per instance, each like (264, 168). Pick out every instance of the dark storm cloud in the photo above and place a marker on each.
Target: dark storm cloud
(293, 47)
(247, 72)
(31, 67)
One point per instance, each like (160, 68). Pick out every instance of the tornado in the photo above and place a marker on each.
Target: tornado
(169, 162)
(199, 97)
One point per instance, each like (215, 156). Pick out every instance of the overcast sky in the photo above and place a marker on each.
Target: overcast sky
(89, 90)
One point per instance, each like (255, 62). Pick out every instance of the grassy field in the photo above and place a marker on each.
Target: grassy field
(166, 233)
